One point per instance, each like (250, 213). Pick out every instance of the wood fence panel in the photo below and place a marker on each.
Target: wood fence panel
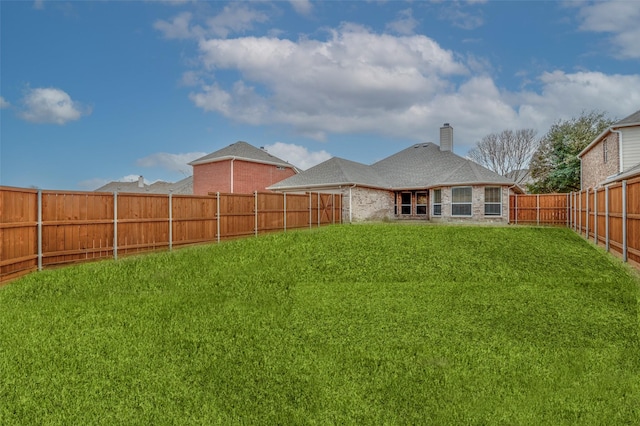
(18, 232)
(237, 215)
(76, 226)
(270, 212)
(615, 218)
(143, 223)
(297, 211)
(589, 214)
(194, 219)
(601, 216)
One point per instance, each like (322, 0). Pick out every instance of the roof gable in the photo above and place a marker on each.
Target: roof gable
(333, 172)
(419, 166)
(242, 151)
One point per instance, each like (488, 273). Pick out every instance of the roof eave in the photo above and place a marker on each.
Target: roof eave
(250, 160)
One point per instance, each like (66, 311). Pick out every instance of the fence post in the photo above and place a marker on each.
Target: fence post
(538, 209)
(170, 221)
(606, 217)
(285, 211)
(595, 216)
(39, 229)
(218, 217)
(255, 198)
(115, 225)
(580, 213)
(624, 221)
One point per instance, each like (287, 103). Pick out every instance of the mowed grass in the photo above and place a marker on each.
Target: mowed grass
(367, 324)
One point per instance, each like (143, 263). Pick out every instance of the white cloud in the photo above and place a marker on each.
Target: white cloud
(234, 18)
(405, 23)
(4, 103)
(171, 162)
(320, 86)
(303, 7)
(465, 19)
(618, 18)
(51, 105)
(297, 155)
(179, 27)
(357, 81)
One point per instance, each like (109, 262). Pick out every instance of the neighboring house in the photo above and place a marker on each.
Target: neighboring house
(238, 168)
(613, 155)
(522, 177)
(182, 187)
(424, 181)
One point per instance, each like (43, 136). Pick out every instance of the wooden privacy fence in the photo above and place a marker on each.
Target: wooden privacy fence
(46, 228)
(608, 216)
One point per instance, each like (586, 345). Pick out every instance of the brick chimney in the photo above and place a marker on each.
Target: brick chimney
(446, 137)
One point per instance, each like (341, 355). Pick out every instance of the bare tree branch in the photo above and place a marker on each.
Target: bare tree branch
(506, 153)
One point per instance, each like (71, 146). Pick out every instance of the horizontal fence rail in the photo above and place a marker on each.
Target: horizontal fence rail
(40, 229)
(607, 216)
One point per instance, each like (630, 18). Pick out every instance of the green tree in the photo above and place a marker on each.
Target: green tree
(555, 166)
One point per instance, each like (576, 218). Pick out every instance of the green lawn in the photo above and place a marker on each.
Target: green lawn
(361, 324)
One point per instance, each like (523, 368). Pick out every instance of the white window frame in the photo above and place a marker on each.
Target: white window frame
(425, 204)
(493, 203)
(437, 204)
(461, 203)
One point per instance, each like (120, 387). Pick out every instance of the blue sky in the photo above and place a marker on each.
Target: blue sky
(92, 92)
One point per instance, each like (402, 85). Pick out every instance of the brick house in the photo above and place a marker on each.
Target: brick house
(613, 154)
(424, 181)
(238, 168)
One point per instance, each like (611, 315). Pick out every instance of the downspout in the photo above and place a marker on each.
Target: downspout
(232, 160)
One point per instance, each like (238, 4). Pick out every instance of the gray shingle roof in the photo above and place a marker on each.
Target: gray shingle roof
(334, 172)
(419, 166)
(630, 120)
(182, 187)
(243, 151)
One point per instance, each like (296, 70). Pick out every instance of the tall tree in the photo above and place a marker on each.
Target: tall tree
(555, 166)
(507, 152)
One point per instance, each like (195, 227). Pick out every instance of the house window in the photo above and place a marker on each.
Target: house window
(437, 202)
(405, 203)
(421, 203)
(461, 201)
(492, 201)
(605, 151)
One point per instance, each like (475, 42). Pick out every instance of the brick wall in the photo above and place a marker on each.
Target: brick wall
(212, 177)
(247, 177)
(477, 207)
(594, 169)
(367, 204)
(250, 177)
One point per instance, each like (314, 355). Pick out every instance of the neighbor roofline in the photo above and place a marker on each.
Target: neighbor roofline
(601, 136)
(250, 160)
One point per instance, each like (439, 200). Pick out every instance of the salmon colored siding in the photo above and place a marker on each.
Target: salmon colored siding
(247, 177)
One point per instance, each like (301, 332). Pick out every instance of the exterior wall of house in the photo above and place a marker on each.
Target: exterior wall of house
(250, 176)
(212, 177)
(477, 206)
(630, 147)
(366, 204)
(600, 162)
(247, 177)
